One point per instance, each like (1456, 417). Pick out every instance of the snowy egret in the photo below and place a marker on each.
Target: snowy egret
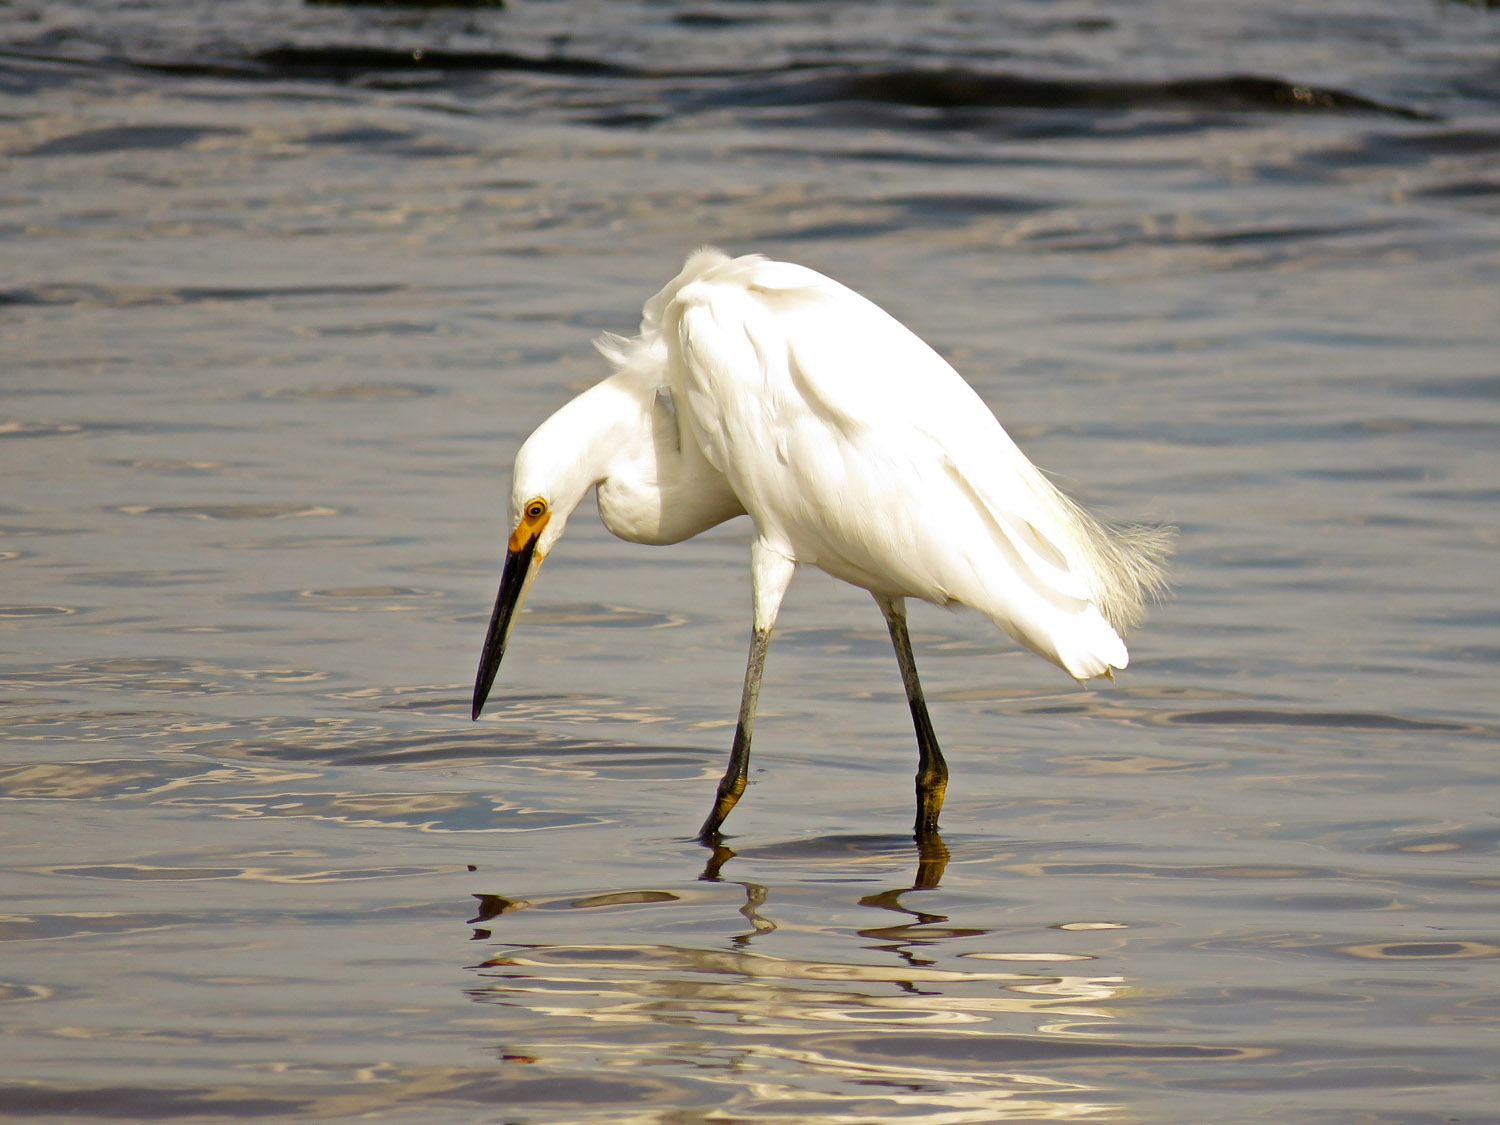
(762, 387)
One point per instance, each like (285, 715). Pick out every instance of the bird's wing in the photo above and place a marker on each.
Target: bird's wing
(876, 383)
(858, 446)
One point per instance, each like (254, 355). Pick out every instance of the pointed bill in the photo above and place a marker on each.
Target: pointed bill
(521, 563)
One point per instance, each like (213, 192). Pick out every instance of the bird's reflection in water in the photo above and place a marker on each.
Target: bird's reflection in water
(807, 1007)
(904, 939)
(755, 893)
(932, 861)
(490, 908)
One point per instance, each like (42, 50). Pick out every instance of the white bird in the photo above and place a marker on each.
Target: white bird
(762, 387)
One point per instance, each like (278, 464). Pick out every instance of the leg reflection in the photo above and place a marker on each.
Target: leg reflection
(719, 855)
(755, 893)
(932, 861)
(907, 937)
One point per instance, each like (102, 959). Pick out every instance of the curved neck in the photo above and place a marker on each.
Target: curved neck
(660, 489)
(622, 435)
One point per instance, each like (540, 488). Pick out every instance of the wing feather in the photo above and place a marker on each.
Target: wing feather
(858, 448)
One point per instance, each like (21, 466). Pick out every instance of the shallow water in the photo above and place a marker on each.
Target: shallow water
(284, 288)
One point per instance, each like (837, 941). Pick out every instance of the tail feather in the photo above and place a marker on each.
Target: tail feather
(1127, 562)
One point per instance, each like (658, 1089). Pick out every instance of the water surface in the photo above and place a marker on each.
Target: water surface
(285, 287)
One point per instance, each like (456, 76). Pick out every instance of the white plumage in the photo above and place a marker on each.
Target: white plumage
(766, 388)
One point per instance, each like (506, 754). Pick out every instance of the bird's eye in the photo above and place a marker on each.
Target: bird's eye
(536, 509)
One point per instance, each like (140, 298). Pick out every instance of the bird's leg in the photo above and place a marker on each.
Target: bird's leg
(932, 771)
(737, 774)
(771, 573)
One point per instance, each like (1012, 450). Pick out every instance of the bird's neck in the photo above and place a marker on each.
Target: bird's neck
(659, 489)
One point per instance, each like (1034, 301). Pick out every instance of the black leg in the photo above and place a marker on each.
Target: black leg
(770, 574)
(738, 772)
(932, 771)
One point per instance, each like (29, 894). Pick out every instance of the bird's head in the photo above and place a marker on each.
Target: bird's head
(554, 472)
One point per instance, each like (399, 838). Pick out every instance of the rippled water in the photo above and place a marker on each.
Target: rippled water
(285, 285)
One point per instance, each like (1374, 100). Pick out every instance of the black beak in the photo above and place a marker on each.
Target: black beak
(520, 567)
